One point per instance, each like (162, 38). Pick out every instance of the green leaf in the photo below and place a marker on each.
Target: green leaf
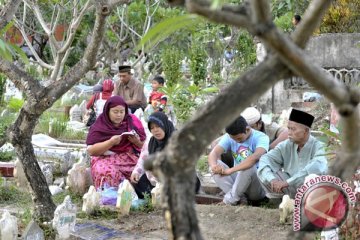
(216, 4)
(6, 28)
(331, 134)
(210, 90)
(165, 28)
(20, 52)
(4, 51)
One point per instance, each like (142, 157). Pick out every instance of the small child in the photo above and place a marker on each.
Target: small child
(157, 99)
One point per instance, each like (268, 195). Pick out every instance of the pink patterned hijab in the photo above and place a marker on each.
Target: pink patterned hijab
(103, 129)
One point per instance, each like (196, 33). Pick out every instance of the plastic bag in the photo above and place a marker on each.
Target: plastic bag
(126, 194)
(109, 195)
(156, 195)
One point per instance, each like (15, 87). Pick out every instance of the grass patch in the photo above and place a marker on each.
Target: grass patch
(99, 213)
(146, 206)
(25, 218)
(10, 194)
(7, 156)
(75, 198)
(54, 123)
(202, 164)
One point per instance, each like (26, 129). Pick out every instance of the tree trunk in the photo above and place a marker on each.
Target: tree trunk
(41, 98)
(44, 206)
(20, 137)
(175, 165)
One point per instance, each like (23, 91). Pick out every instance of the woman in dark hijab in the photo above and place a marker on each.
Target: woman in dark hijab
(113, 153)
(161, 129)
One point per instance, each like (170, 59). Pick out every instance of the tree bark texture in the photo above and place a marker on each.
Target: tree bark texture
(175, 165)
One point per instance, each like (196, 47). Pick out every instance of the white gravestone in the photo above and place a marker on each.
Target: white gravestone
(8, 227)
(21, 180)
(91, 200)
(75, 113)
(33, 232)
(83, 108)
(79, 178)
(46, 169)
(65, 218)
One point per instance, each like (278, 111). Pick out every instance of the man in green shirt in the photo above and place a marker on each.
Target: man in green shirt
(283, 169)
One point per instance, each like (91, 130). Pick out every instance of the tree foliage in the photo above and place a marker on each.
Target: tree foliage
(282, 7)
(197, 62)
(342, 17)
(171, 64)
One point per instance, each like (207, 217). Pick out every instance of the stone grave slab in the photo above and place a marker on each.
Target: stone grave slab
(92, 231)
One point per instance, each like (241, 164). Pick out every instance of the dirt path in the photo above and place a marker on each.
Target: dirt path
(216, 222)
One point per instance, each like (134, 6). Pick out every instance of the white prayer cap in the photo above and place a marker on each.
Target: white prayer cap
(251, 115)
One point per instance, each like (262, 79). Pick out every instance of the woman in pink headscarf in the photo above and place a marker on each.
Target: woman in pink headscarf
(113, 157)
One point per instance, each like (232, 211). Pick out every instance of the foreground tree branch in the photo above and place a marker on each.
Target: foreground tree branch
(41, 98)
(185, 146)
(344, 98)
(175, 165)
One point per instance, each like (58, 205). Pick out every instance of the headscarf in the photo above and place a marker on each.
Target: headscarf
(107, 89)
(166, 125)
(103, 129)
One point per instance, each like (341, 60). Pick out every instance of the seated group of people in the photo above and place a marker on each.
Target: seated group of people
(264, 166)
(265, 159)
(115, 157)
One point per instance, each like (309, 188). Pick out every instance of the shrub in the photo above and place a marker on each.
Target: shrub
(171, 64)
(246, 47)
(197, 63)
(343, 16)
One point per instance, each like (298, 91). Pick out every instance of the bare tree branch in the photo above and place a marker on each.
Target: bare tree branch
(20, 78)
(75, 25)
(226, 15)
(43, 24)
(310, 21)
(298, 61)
(20, 27)
(8, 11)
(61, 86)
(126, 25)
(346, 100)
(261, 11)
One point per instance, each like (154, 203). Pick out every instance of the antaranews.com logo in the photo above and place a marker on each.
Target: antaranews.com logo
(322, 203)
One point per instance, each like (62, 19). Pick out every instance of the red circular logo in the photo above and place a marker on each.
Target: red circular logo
(325, 206)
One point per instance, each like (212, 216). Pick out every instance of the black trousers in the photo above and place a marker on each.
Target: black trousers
(143, 187)
(227, 158)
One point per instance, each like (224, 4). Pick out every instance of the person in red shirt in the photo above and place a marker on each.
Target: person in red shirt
(157, 99)
(98, 99)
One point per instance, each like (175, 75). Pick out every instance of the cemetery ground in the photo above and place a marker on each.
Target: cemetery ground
(216, 221)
